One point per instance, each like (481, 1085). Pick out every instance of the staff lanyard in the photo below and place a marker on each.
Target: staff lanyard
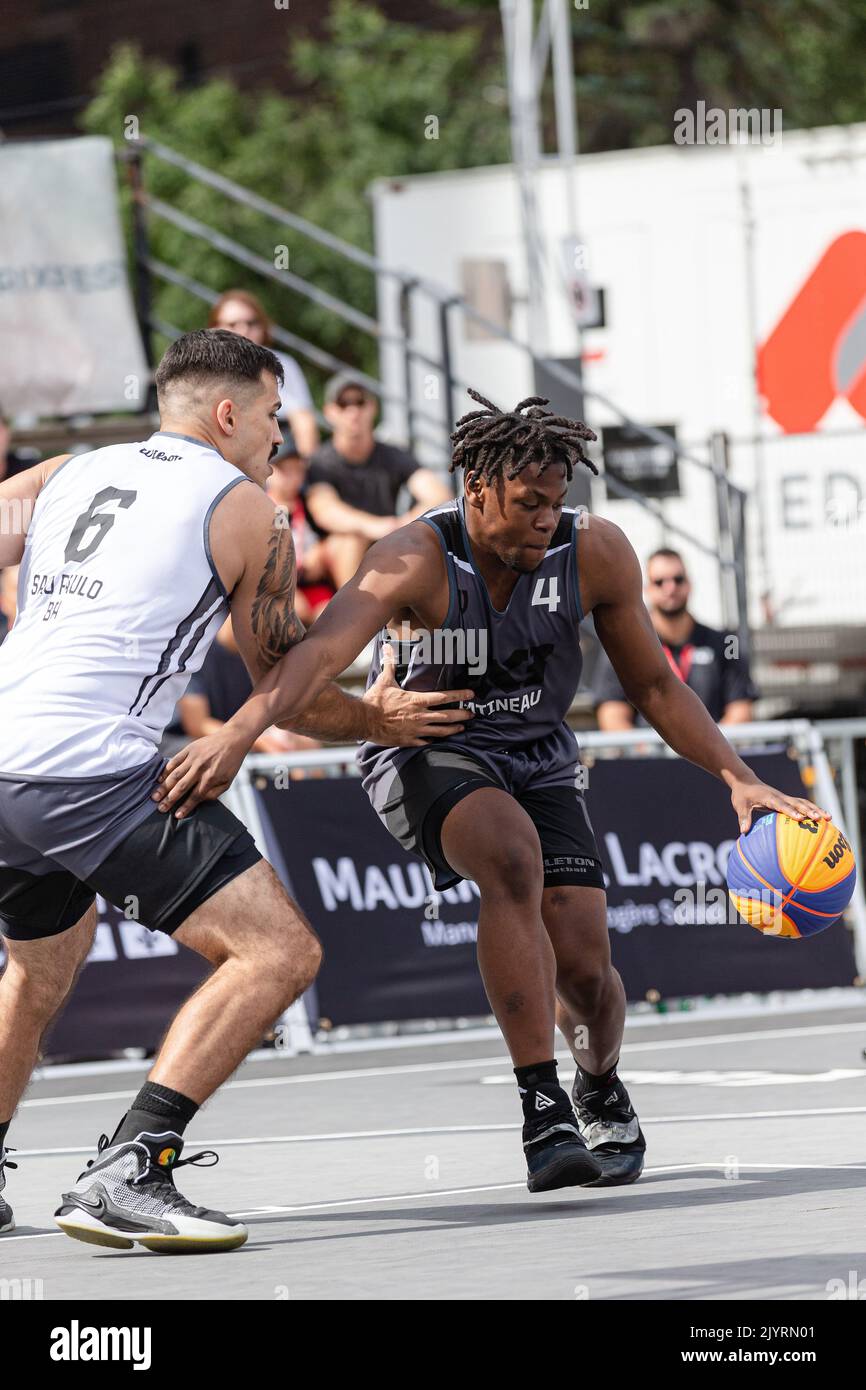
(682, 667)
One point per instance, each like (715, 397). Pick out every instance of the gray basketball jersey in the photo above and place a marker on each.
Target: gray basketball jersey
(523, 663)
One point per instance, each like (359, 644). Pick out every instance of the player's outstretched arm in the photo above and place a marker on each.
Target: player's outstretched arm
(296, 671)
(266, 628)
(611, 574)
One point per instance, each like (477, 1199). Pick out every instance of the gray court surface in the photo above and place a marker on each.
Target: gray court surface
(397, 1173)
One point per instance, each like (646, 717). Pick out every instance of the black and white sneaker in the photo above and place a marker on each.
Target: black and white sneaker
(556, 1155)
(7, 1220)
(127, 1194)
(610, 1128)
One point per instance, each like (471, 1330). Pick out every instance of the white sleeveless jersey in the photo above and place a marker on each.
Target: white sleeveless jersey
(118, 603)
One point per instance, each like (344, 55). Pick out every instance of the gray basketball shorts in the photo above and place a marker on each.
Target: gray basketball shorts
(427, 786)
(64, 841)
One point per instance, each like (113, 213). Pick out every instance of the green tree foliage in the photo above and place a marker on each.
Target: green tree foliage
(370, 89)
(374, 87)
(638, 61)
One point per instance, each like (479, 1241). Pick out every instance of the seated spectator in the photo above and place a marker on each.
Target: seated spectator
(243, 314)
(8, 598)
(355, 479)
(217, 692)
(701, 656)
(286, 487)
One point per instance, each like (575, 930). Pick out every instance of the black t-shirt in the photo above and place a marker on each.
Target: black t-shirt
(716, 678)
(372, 486)
(223, 680)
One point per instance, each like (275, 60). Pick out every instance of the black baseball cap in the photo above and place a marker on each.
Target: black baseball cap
(339, 383)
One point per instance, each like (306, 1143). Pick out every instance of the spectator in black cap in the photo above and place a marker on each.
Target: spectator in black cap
(355, 479)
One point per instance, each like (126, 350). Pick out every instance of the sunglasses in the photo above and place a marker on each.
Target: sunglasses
(346, 403)
(669, 579)
(239, 323)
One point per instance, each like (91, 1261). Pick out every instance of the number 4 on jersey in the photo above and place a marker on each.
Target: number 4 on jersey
(551, 598)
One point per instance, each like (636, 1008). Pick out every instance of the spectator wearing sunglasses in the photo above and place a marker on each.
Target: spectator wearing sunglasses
(240, 312)
(704, 658)
(355, 479)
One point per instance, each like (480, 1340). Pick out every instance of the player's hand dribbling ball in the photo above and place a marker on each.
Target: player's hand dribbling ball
(791, 878)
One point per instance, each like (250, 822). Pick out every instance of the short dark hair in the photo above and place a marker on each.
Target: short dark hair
(494, 443)
(215, 354)
(665, 553)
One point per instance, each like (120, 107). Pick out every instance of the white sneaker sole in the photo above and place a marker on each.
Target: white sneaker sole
(83, 1225)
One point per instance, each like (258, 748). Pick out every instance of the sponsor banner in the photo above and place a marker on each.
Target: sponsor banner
(394, 949)
(69, 341)
(665, 830)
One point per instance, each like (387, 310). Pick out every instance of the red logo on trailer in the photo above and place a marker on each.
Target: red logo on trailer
(817, 350)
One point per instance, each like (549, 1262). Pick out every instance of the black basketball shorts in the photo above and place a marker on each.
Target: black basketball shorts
(434, 780)
(59, 847)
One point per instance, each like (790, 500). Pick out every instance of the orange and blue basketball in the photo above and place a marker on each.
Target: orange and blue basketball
(791, 878)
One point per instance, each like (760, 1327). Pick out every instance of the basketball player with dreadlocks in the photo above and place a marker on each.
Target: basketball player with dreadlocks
(505, 573)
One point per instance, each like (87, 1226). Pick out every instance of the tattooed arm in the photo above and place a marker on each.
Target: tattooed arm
(266, 625)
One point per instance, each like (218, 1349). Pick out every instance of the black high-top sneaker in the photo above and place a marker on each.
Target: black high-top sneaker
(608, 1123)
(127, 1194)
(7, 1220)
(556, 1155)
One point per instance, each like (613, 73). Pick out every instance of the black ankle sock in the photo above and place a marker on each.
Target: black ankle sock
(155, 1108)
(540, 1090)
(587, 1081)
(4, 1125)
(536, 1073)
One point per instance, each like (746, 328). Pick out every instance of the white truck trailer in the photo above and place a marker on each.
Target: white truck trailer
(733, 282)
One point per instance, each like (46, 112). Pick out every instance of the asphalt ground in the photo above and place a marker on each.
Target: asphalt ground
(397, 1173)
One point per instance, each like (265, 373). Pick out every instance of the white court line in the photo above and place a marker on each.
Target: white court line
(506, 1186)
(460, 1129)
(361, 1073)
(493, 1187)
(829, 1000)
(560, 1192)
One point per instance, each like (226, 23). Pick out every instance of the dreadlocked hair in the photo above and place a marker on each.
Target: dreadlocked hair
(494, 443)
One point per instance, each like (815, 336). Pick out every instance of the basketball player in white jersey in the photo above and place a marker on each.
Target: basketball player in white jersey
(130, 559)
